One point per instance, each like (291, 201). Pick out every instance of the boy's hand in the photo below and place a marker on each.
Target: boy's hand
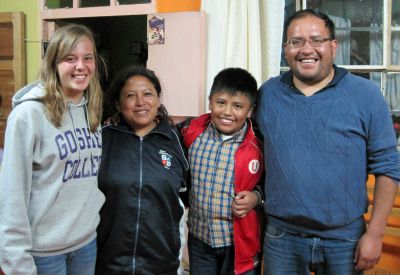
(114, 120)
(243, 203)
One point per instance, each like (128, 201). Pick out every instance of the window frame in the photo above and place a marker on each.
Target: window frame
(113, 9)
(387, 29)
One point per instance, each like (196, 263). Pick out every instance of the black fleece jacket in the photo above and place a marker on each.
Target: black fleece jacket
(141, 178)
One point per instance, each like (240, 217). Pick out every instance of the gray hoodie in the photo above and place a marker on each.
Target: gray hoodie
(49, 199)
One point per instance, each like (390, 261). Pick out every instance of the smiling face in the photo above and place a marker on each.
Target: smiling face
(139, 103)
(77, 69)
(310, 65)
(229, 112)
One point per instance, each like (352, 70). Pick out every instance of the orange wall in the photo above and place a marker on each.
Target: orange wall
(177, 5)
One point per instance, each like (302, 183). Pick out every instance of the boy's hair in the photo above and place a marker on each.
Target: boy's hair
(233, 81)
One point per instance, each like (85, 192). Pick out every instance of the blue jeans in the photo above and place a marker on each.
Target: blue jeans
(78, 262)
(286, 253)
(206, 260)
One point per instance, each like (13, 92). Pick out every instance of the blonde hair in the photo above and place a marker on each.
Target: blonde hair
(63, 41)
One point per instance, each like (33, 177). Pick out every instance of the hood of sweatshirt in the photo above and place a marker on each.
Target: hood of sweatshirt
(33, 91)
(36, 91)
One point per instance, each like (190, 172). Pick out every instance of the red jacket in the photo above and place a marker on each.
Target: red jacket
(249, 164)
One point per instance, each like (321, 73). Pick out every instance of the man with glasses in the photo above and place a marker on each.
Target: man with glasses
(324, 131)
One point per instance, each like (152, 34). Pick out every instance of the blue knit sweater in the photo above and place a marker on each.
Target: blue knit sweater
(319, 151)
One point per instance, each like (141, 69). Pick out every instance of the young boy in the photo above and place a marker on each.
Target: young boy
(226, 163)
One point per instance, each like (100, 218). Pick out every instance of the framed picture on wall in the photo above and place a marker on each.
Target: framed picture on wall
(156, 30)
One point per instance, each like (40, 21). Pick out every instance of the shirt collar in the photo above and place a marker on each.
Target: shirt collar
(237, 137)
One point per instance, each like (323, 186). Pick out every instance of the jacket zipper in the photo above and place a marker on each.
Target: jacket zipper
(139, 205)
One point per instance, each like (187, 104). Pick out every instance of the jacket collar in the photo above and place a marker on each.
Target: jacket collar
(163, 128)
(205, 120)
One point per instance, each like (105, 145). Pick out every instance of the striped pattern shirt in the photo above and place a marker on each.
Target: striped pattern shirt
(212, 162)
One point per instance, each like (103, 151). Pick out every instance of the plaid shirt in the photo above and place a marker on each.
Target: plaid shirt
(212, 161)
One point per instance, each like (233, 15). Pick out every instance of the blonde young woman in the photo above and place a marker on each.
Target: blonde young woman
(49, 199)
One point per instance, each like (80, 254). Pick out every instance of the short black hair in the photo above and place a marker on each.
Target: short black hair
(310, 12)
(233, 81)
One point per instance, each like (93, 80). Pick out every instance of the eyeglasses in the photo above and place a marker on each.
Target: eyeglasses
(314, 42)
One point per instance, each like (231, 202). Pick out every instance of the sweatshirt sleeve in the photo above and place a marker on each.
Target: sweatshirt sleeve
(15, 188)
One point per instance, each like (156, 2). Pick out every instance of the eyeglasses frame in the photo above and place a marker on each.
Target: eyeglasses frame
(310, 41)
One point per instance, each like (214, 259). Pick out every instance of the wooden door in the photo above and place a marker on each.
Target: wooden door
(12, 62)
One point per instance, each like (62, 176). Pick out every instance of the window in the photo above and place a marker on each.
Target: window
(125, 2)
(93, 3)
(59, 4)
(98, 3)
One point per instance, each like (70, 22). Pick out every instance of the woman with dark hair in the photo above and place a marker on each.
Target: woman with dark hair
(143, 170)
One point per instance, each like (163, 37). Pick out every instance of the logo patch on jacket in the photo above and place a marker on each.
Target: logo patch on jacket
(165, 159)
(254, 165)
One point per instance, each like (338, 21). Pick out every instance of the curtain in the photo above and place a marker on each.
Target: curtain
(393, 80)
(392, 91)
(342, 27)
(375, 51)
(272, 19)
(245, 34)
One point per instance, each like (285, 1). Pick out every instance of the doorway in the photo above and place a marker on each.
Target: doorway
(178, 60)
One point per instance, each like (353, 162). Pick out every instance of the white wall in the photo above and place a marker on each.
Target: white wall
(180, 63)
